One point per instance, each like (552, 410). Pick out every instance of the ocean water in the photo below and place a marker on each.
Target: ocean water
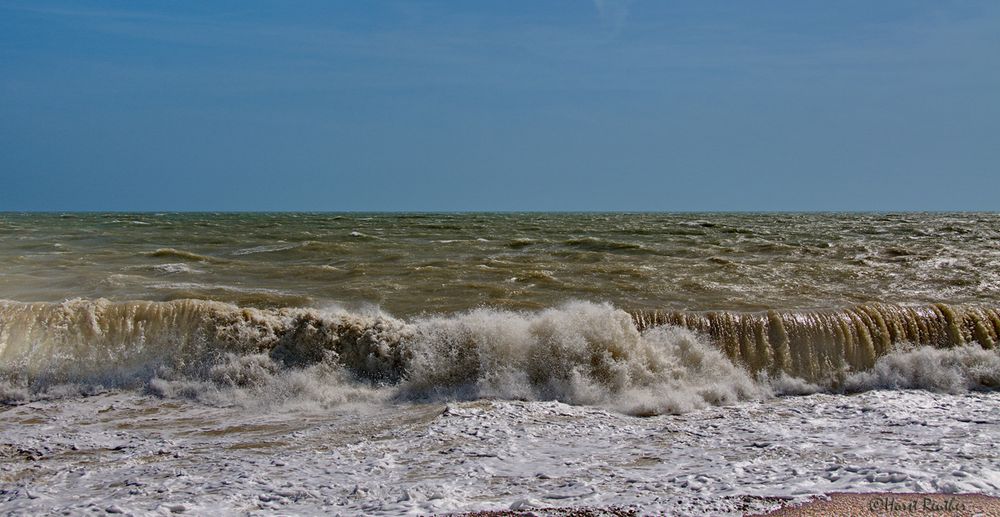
(436, 363)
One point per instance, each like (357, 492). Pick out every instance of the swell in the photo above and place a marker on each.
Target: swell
(643, 362)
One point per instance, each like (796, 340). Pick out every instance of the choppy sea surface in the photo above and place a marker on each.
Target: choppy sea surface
(435, 363)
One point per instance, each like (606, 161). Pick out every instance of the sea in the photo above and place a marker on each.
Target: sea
(431, 364)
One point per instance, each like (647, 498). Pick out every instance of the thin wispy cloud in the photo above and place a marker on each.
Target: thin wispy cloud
(614, 13)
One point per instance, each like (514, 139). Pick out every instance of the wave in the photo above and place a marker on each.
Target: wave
(521, 243)
(641, 363)
(363, 236)
(949, 370)
(268, 248)
(182, 254)
(821, 345)
(606, 245)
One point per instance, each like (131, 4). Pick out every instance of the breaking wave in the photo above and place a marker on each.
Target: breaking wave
(822, 345)
(642, 363)
(955, 370)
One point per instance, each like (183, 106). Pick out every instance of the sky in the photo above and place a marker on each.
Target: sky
(585, 105)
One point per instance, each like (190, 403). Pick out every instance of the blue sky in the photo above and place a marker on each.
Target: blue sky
(513, 105)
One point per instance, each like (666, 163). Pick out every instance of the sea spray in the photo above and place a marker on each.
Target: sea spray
(580, 352)
(949, 370)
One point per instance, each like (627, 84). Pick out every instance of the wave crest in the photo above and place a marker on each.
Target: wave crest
(580, 353)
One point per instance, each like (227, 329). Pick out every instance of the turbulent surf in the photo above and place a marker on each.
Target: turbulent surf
(283, 334)
(581, 353)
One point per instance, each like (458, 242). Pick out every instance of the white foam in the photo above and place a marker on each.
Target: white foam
(177, 267)
(581, 353)
(143, 456)
(949, 370)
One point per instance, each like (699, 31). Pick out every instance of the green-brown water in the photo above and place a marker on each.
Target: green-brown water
(431, 263)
